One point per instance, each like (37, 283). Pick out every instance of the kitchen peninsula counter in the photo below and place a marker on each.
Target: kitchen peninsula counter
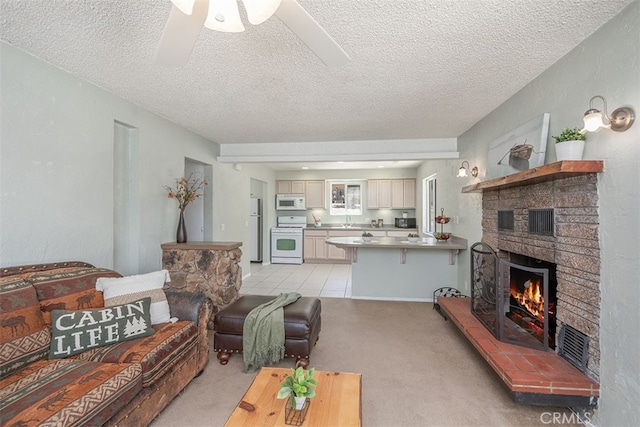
(396, 269)
(454, 243)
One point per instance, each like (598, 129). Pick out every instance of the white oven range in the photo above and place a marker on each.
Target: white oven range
(287, 240)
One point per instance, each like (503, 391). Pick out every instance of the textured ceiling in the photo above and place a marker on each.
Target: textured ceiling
(420, 69)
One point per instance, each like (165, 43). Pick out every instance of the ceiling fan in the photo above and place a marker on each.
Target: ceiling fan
(187, 18)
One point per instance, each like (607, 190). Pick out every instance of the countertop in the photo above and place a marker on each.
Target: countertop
(358, 227)
(211, 246)
(398, 242)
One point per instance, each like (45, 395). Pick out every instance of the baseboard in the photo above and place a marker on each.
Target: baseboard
(394, 299)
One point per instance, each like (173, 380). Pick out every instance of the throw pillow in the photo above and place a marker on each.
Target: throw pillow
(76, 331)
(120, 290)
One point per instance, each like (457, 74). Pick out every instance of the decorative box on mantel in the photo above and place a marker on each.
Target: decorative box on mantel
(212, 268)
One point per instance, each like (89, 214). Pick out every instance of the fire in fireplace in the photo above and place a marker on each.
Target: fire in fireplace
(531, 303)
(514, 298)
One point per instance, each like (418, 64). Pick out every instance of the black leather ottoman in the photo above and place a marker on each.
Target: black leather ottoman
(301, 327)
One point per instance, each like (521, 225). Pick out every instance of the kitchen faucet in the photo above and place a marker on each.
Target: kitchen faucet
(346, 220)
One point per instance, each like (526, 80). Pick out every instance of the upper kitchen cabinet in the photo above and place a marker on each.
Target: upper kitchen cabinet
(314, 194)
(290, 187)
(379, 194)
(403, 193)
(391, 193)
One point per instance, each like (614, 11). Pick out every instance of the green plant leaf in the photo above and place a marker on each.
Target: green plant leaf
(284, 392)
(570, 134)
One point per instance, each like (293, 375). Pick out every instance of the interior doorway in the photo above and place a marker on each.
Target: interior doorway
(198, 214)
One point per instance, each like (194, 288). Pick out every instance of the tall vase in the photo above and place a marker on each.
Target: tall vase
(181, 234)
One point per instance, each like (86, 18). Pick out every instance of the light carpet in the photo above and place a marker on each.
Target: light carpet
(417, 370)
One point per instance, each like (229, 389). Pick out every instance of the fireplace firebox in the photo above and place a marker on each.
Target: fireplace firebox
(514, 298)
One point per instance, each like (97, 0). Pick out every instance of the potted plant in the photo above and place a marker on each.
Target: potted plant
(570, 144)
(298, 387)
(413, 237)
(366, 236)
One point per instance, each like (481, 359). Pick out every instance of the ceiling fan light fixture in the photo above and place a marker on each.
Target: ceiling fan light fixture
(223, 15)
(259, 11)
(185, 6)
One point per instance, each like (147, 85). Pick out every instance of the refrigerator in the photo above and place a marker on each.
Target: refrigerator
(255, 227)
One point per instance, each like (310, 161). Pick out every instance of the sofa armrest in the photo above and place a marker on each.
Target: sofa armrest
(189, 305)
(198, 308)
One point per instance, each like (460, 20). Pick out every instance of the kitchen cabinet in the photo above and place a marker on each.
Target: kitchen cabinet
(372, 194)
(318, 251)
(338, 254)
(379, 194)
(410, 193)
(290, 187)
(403, 193)
(314, 245)
(314, 194)
(397, 193)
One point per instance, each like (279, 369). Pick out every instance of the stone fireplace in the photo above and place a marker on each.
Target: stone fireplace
(562, 236)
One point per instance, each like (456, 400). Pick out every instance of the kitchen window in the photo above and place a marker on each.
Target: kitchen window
(429, 204)
(346, 198)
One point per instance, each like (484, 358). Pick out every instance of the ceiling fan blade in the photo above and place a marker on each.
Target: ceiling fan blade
(311, 33)
(259, 11)
(180, 34)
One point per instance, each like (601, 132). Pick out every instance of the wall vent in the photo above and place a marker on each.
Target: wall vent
(505, 221)
(573, 345)
(541, 221)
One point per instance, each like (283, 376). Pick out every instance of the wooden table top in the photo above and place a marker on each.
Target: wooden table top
(337, 401)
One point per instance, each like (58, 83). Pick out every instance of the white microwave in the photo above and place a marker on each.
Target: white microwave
(290, 202)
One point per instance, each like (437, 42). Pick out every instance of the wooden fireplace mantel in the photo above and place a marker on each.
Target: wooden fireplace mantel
(538, 174)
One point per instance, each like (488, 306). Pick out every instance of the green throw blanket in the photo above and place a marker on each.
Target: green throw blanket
(263, 333)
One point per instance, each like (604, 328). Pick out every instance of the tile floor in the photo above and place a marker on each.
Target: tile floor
(312, 280)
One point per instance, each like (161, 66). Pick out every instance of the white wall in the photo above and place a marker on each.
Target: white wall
(56, 171)
(608, 64)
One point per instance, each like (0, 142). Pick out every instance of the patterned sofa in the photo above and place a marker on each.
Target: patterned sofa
(127, 383)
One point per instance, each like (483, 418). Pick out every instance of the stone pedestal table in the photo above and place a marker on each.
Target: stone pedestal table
(212, 268)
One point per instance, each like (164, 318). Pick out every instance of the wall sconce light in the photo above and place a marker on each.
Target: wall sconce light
(620, 120)
(462, 172)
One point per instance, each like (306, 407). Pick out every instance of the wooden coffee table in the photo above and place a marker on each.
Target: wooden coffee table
(337, 401)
